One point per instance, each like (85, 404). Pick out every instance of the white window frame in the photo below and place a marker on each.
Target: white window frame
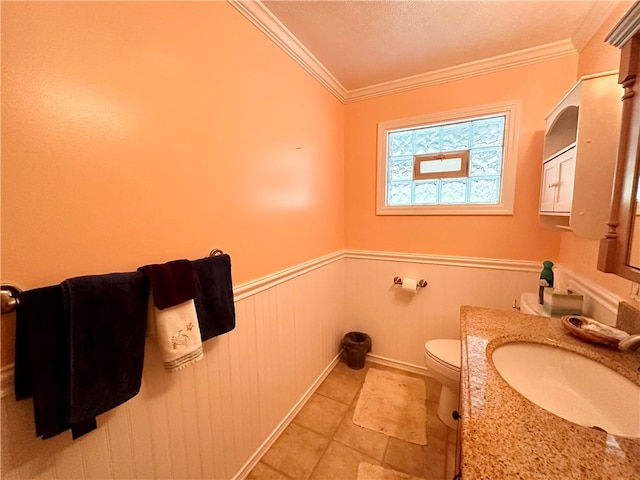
(511, 110)
(461, 171)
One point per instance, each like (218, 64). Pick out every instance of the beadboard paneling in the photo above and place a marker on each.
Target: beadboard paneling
(211, 420)
(215, 419)
(400, 322)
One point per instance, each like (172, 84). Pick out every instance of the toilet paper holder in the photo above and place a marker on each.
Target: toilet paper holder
(421, 283)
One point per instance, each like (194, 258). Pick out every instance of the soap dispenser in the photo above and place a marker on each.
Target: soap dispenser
(546, 279)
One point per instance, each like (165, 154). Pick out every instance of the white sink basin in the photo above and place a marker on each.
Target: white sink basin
(571, 386)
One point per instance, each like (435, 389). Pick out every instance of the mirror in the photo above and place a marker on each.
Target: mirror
(620, 249)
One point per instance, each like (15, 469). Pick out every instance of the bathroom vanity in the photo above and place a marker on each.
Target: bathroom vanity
(505, 435)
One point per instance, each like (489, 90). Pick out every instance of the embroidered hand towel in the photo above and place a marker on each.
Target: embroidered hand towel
(178, 335)
(173, 316)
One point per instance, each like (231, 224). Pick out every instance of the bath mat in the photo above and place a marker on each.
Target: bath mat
(394, 405)
(367, 471)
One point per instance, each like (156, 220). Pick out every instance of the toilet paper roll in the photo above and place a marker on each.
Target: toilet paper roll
(410, 285)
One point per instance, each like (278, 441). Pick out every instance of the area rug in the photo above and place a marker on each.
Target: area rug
(394, 405)
(367, 471)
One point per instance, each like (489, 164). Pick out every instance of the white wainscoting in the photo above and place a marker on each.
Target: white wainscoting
(217, 418)
(399, 322)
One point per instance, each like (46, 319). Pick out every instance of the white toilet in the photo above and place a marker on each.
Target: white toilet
(442, 358)
(529, 304)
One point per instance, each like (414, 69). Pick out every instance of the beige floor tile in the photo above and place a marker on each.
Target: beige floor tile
(376, 471)
(451, 460)
(340, 386)
(362, 439)
(296, 452)
(307, 448)
(433, 389)
(265, 472)
(426, 461)
(321, 414)
(435, 427)
(343, 368)
(340, 463)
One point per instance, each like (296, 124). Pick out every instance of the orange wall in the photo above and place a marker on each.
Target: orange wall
(519, 236)
(579, 254)
(140, 132)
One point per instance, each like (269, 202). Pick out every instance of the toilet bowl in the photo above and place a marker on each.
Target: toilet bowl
(442, 358)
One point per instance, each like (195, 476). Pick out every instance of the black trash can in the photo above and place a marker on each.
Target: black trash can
(356, 345)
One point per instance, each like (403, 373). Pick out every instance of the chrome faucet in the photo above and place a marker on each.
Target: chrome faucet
(632, 342)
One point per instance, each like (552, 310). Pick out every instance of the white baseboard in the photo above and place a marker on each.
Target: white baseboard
(271, 439)
(407, 367)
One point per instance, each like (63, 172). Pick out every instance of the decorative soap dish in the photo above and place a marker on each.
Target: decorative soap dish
(593, 331)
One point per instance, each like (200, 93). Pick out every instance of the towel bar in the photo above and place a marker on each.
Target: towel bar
(10, 297)
(11, 293)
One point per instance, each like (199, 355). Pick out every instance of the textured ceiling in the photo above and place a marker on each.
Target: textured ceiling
(365, 43)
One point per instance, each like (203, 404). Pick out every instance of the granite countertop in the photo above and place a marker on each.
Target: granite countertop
(505, 436)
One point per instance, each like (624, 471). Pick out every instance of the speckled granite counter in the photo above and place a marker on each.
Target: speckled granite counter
(505, 436)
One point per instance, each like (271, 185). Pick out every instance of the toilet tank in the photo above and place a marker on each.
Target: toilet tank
(529, 304)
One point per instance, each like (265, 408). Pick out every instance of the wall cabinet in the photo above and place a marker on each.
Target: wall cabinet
(579, 156)
(557, 183)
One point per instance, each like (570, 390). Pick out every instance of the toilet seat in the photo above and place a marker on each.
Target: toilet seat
(445, 352)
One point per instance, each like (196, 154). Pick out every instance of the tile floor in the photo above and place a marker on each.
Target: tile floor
(322, 442)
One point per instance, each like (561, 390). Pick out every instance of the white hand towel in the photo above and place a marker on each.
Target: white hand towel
(178, 334)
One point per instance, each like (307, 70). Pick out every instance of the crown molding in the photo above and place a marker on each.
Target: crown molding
(261, 17)
(265, 21)
(506, 61)
(626, 28)
(598, 14)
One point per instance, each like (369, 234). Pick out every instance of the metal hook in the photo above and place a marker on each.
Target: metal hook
(10, 296)
(216, 252)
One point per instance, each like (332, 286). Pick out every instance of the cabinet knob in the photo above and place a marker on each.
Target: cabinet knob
(554, 184)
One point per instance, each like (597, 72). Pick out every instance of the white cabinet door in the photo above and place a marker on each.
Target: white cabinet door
(548, 188)
(557, 183)
(566, 167)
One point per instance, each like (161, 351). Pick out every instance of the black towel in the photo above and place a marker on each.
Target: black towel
(172, 283)
(41, 361)
(214, 302)
(105, 324)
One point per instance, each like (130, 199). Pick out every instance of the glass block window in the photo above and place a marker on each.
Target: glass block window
(484, 184)
(483, 138)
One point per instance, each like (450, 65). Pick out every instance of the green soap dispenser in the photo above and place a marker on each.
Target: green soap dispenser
(546, 279)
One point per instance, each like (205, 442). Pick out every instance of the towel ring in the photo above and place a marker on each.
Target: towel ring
(216, 252)
(10, 295)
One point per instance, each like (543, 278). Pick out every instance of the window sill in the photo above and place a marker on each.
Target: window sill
(466, 209)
